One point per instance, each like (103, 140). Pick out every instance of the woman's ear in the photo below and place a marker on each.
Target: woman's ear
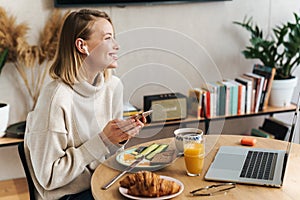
(81, 46)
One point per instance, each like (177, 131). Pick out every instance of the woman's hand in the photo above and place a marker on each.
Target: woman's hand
(118, 130)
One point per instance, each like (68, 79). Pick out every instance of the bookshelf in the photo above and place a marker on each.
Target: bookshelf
(206, 120)
(7, 141)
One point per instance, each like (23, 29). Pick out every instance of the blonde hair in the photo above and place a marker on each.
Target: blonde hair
(68, 60)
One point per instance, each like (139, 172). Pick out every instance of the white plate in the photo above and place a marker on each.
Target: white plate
(145, 164)
(123, 191)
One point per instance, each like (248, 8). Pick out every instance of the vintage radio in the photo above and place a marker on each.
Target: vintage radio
(170, 106)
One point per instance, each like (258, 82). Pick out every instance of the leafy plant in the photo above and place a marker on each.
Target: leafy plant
(281, 50)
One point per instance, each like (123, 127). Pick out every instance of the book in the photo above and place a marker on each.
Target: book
(248, 86)
(232, 97)
(241, 97)
(214, 95)
(213, 90)
(195, 102)
(204, 106)
(261, 133)
(205, 111)
(268, 73)
(276, 127)
(258, 81)
(253, 92)
(221, 99)
(227, 98)
(129, 110)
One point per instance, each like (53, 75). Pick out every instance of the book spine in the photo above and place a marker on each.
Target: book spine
(208, 104)
(258, 86)
(268, 73)
(130, 113)
(212, 88)
(222, 99)
(260, 95)
(239, 106)
(227, 98)
(213, 103)
(263, 96)
(248, 93)
(194, 103)
(204, 105)
(253, 100)
(234, 100)
(242, 98)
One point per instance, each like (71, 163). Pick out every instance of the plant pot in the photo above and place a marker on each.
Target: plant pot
(282, 92)
(4, 115)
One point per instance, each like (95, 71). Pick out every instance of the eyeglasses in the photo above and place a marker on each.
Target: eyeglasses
(213, 189)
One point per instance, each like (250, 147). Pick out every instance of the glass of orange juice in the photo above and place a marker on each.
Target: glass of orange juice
(193, 145)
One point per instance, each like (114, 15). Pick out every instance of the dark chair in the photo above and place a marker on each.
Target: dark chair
(27, 173)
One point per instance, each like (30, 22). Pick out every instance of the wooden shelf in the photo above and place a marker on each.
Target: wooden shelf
(267, 111)
(190, 119)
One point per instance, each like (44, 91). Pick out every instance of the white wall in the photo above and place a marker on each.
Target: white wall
(163, 48)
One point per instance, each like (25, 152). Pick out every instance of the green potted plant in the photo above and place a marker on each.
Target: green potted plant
(281, 50)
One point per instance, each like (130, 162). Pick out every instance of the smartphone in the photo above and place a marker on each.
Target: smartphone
(145, 114)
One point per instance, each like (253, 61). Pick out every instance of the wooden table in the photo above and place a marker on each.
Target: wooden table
(289, 191)
(7, 141)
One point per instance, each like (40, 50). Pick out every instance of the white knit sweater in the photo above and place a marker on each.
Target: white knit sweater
(62, 144)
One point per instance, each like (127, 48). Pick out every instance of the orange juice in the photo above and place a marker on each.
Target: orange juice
(194, 159)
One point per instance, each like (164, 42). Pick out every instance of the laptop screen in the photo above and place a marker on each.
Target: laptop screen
(291, 137)
(292, 134)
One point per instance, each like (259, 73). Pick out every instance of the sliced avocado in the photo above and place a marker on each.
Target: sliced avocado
(148, 150)
(159, 149)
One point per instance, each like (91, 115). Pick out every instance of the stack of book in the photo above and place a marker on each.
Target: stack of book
(258, 85)
(196, 102)
(218, 98)
(258, 132)
(248, 93)
(272, 128)
(129, 110)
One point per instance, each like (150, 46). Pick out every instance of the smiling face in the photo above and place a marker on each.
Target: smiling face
(102, 48)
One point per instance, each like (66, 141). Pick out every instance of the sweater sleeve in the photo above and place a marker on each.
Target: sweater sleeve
(117, 113)
(54, 161)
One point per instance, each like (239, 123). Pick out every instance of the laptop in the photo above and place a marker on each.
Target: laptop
(257, 166)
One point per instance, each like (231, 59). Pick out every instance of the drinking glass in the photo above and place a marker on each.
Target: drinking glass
(193, 145)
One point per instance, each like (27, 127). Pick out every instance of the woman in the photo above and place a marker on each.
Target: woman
(76, 123)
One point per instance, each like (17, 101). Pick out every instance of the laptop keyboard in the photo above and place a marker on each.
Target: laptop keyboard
(259, 165)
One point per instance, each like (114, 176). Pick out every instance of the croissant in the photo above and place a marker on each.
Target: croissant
(148, 184)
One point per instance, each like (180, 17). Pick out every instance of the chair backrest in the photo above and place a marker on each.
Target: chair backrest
(27, 173)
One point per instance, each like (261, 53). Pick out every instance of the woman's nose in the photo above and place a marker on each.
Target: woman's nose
(116, 45)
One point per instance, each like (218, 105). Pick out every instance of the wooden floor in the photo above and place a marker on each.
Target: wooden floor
(14, 189)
